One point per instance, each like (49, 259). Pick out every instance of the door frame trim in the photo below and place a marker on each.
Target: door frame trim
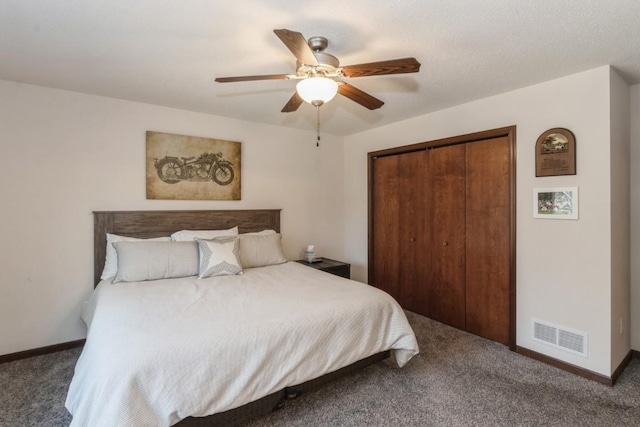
(508, 132)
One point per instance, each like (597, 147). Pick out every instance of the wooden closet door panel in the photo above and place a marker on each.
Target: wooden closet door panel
(386, 214)
(398, 223)
(487, 231)
(413, 237)
(446, 252)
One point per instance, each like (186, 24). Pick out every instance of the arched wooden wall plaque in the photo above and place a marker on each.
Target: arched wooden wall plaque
(556, 153)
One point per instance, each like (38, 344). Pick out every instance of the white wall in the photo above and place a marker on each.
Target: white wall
(67, 154)
(620, 229)
(563, 267)
(635, 216)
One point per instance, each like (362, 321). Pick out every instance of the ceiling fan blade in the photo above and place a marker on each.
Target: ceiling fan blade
(362, 98)
(293, 103)
(394, 66)
(251, 78)
(297, 45)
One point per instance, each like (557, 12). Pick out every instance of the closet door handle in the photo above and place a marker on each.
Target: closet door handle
(445, 243)
(412, 239)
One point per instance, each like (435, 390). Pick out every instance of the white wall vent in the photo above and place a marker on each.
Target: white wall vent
(560, 337)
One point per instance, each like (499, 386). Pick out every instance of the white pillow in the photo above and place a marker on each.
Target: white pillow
(261, 250)
(186, 235)
(111, 257)
(139, 261)
(260, 233)
(219, 257)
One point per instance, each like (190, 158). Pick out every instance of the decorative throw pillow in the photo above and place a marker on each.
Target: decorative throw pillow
(261, 250)
(111, 257)
(219, 257)
(138, 261)
(189, 235)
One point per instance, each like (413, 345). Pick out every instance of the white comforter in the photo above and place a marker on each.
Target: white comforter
(160, 351)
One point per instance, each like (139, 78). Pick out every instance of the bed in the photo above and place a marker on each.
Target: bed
(211, 351)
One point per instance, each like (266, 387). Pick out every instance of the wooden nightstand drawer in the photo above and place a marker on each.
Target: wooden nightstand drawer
(332, 266)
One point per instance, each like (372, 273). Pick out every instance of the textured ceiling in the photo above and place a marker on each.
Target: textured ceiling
(168, 52)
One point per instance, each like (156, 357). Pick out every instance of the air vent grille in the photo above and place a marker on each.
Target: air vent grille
(571, 341)
(560, 337)
(544, 333)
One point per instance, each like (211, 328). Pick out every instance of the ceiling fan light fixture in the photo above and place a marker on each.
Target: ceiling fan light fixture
(317, 90)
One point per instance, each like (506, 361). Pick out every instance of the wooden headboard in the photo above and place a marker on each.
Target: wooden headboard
(146, 224)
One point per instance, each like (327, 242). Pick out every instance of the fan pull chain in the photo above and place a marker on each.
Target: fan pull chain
(318, 125)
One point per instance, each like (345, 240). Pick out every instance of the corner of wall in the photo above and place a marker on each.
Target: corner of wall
(619, 126)
(634, 160)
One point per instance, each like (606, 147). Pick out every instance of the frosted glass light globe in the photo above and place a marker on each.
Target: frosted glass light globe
(317, 90)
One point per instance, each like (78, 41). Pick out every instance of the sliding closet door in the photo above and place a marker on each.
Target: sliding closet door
(445, 209)
(441, 231)
(399, 224)
(488, 238)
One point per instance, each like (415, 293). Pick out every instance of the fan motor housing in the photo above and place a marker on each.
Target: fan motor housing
(327, 65)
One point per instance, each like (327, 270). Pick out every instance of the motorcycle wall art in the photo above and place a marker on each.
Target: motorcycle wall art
(207, 166)
(181, 167)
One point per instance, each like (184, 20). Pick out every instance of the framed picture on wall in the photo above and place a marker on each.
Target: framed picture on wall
(556, 153)
(555, 203)
(182, 167)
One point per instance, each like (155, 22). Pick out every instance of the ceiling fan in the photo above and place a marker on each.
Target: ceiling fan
(320, 74)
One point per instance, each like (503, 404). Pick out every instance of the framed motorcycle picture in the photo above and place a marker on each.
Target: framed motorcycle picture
(181, 167)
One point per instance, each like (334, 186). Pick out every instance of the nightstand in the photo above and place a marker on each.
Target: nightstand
(332, 266)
